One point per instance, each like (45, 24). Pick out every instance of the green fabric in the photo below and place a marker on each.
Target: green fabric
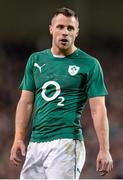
(61, 87)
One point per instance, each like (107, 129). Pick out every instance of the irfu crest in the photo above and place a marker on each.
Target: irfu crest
(73, 70)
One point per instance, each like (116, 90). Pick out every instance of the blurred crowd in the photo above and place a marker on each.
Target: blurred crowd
(109, 52)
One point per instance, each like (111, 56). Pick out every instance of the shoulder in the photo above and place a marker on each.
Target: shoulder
(37, 54)
(87, 60)
(85, 56)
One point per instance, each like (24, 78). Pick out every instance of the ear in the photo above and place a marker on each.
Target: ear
(50, 29)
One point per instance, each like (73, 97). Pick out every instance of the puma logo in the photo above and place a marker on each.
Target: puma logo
(39, 67)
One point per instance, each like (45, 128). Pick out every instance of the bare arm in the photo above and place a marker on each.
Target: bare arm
(22, 119)
(100, 120)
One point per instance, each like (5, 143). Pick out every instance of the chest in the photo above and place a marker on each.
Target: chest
(67, 74)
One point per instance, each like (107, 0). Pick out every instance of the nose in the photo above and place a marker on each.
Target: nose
(65, 31)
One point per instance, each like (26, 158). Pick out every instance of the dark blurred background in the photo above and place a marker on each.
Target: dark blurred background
(24, 29)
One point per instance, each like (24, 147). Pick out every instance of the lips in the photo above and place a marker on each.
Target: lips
(64, 40)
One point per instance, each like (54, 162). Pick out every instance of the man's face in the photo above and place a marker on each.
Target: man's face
(64, 31)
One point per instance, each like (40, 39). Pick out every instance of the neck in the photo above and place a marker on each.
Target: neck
(62, 52)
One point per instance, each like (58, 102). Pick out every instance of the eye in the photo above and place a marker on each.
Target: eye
(70, 28)
(60, 26)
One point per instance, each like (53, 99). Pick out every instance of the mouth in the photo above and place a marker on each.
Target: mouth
(64, 41)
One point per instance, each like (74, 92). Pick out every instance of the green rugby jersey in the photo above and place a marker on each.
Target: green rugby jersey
(61, 87)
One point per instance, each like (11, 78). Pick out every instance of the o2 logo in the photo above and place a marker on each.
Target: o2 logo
(55, 95)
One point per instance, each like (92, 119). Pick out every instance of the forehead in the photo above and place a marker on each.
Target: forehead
(64, 20)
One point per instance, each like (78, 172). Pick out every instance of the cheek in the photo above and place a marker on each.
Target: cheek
(73, 37)
(55, 34)
(55, 37)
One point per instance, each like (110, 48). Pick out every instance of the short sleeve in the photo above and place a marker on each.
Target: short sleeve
(28, 82)
(96, 85)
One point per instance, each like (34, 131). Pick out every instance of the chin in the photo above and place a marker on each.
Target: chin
(64, 47)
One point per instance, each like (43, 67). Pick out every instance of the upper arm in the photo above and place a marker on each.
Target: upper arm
(27, 97)
(28, 82)
(95, 84)
(97, 104)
